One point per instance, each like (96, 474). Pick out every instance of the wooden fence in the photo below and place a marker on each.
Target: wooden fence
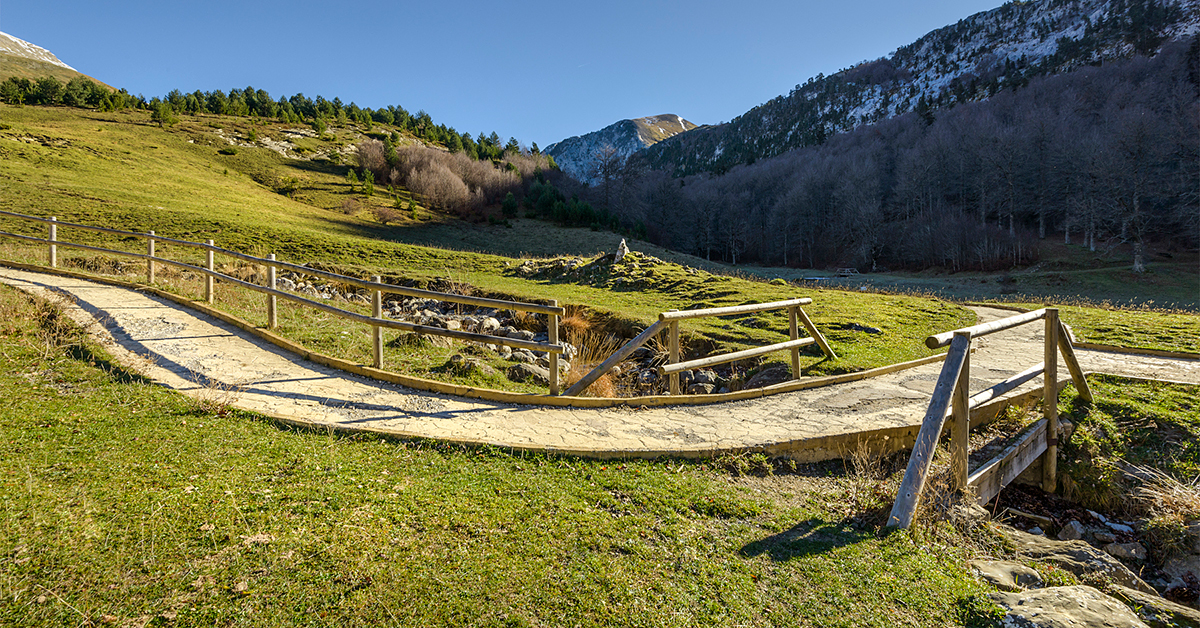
(670, 321)
(376, 320)
(952, 399)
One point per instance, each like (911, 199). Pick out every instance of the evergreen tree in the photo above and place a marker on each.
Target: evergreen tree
(509, 206)
(162, 114)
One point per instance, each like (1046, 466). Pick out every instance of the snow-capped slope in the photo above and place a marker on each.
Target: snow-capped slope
(21, 48)
(576, 155)
(967, 61)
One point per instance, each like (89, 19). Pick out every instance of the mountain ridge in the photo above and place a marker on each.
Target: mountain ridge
(577, 155)
(970, 60)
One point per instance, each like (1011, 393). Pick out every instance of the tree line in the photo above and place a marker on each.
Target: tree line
(257, 103)
(1101, 156)
(78, 92)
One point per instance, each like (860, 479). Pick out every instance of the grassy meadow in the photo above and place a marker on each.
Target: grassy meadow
(127, 504)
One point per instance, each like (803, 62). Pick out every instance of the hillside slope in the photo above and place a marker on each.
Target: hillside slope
(968, 61)
(25, 60)
(578, 155)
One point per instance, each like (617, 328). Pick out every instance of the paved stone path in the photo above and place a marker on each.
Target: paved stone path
(205, 358)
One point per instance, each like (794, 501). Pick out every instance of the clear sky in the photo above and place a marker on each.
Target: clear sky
(537, 70)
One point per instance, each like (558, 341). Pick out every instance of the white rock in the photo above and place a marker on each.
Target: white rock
(622, 251)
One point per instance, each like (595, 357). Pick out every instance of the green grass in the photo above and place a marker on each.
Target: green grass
(1063, 273)
(118, 169)
(123, 502)
(1142, 329)
(1149, 424)
(32, 69)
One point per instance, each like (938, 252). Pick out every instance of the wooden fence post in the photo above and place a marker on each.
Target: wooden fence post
(377, 332)
(673, 347)
(53, 239)
(272, 305)
(208, 279)
(1068, 353)
(794, 330)
(150, 262)
(552, 331)
(816, 334)
(960, 429)
(1050, 403)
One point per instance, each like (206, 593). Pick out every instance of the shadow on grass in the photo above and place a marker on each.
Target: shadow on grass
(118, 373)
(806, 538)
(322, 166)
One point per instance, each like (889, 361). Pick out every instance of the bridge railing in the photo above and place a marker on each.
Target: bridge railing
(952, 400)
(376, 286)
(670, 321)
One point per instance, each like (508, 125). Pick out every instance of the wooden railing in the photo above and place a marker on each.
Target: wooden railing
(376, 320)
(952, 399)
(670, 321)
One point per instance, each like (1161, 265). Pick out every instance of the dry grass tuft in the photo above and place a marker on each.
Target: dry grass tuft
(594, 349)
(1162, 495)
(575, 326)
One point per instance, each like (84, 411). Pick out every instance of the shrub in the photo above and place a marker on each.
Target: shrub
(385, 214)
(228, 150)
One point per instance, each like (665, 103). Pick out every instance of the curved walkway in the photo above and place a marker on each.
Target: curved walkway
(208, 359)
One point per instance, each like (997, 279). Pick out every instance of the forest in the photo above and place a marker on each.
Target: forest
(1100, 156)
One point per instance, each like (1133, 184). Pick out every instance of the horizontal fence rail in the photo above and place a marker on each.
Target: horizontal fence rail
(674, 366)
(553, 348)
(952, 402)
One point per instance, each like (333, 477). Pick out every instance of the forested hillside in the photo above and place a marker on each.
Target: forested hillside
(1105, 156)
(969, 61)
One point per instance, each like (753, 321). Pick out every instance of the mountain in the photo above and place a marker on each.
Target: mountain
(577, 155)
(23, 59)
(968, 61)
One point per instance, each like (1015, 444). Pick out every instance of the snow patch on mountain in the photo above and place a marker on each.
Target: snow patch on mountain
(21, 48)
(577, 155)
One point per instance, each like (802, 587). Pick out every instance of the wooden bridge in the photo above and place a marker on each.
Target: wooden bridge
(953, 401)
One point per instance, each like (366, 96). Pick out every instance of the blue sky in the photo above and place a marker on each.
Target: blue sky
(537, 70)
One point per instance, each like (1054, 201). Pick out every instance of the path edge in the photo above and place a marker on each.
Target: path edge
(1092, 346)
(485, 394)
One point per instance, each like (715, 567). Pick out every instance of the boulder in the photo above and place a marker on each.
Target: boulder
(1077, 557)
(1007, 575)
(1072, 531)
(1103, 536)
(700, 389)
(467, 366)
(1063, 607)
(1128, 551)
(521, 334)
(1156, 611)
(774, 374)
(453, 325)
(529, 372)
(523, 355)
(283, 283)
(421, 340)
(622, 251)
(488, 325)
(1179, 566)
(705, 376)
